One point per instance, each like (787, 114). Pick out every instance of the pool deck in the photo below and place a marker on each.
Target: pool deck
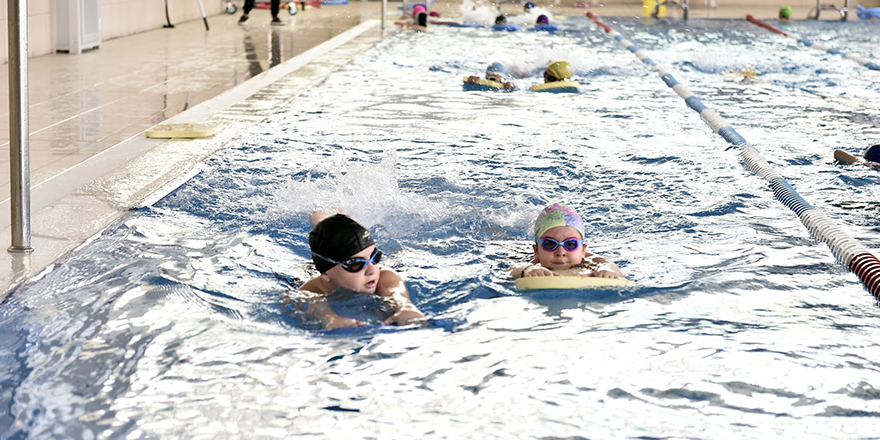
(90, 161)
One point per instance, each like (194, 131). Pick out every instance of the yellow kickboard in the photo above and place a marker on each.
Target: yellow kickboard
(184, 131)
(563, 282)
(485, 82)
(558, 86)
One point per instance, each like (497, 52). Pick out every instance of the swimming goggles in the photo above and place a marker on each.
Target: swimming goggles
(355, 265)
(568, 244)
(550, 78)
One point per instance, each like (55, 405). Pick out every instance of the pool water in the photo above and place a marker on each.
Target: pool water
(182, 320)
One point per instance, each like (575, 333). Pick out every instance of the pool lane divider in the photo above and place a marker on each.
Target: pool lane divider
(818, 46)
(847, 250)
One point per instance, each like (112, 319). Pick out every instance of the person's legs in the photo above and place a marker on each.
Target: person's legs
(248, 5)
(276, 6)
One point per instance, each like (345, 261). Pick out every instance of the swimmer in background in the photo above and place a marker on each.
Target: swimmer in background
(871, 158)
(495, 72)
(785, 13)
(347, 257)
(419, 20)
(558, 71)
(543, 20)
(560, 248)
(528, 6)
(501, 20)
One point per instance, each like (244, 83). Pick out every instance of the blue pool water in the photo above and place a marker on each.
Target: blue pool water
(180, 321)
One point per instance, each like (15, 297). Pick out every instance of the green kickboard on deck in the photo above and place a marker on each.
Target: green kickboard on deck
(183, 131)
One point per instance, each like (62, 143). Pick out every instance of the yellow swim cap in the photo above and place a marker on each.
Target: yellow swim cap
(561, 69)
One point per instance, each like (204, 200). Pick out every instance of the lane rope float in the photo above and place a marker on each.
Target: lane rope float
(818, 46)
(846, 249)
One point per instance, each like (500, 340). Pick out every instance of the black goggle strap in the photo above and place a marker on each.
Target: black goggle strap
(354, 264)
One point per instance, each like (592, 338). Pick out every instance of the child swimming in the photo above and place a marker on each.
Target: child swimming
(347, 257)
(560, 248)
(558, 71)
(495, 72)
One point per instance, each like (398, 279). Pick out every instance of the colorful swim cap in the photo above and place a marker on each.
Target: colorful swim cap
(496, 68)
(434, 14)
(542, 19)
(418, 9)
(873, 153)
(785, 12)
(337, 238)
(557, 215)
(529, 5)
(561, 69)
(501, 19)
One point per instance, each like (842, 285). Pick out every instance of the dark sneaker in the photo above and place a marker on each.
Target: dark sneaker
(243, 19)
(277, 22)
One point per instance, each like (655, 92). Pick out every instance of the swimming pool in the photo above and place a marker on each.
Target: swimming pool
(180, 320)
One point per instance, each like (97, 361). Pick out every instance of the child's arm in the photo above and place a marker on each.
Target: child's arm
(392, 286)
(319, 309)
(602, 267)
(531, 270)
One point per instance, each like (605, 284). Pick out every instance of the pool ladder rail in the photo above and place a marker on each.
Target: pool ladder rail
(820, 6)
(681, 4)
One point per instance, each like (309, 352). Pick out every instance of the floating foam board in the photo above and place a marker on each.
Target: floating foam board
(557, 87)
(483, 85)
(562, 282)
(185, 131)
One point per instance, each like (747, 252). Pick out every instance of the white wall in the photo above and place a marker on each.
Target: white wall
(118, 19)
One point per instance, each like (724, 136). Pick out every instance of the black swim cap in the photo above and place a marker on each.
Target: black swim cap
(873, 153)
(337, 238)
(423, 19)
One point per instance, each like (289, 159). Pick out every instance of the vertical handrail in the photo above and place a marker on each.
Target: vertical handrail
(19, 134)
(384, 13)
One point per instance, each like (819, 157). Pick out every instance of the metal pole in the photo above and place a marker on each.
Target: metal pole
(204, 17)
(19, 151)
(384, 13)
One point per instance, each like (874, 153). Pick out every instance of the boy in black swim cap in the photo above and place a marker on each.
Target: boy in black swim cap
(346, 255)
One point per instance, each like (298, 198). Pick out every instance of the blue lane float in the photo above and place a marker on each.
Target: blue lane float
(847, 250)
(818, 46)
(551, 28)
(505, 27)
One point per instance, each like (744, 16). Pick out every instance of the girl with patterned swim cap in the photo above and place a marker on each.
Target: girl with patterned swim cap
(560, 248)
(347, 257)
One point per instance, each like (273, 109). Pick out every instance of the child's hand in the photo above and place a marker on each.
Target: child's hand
(538, 271)
(340, 322)
(406, 316)
(607, 270)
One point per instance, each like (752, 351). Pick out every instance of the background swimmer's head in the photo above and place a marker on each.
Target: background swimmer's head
(557, 215)
(558, 71)
(873, 153)
(542, 19)
(496, 71)
(501, 19)
(785, 12)
(422, 19)
(529, 6)
(434, 14)
(417, 9)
